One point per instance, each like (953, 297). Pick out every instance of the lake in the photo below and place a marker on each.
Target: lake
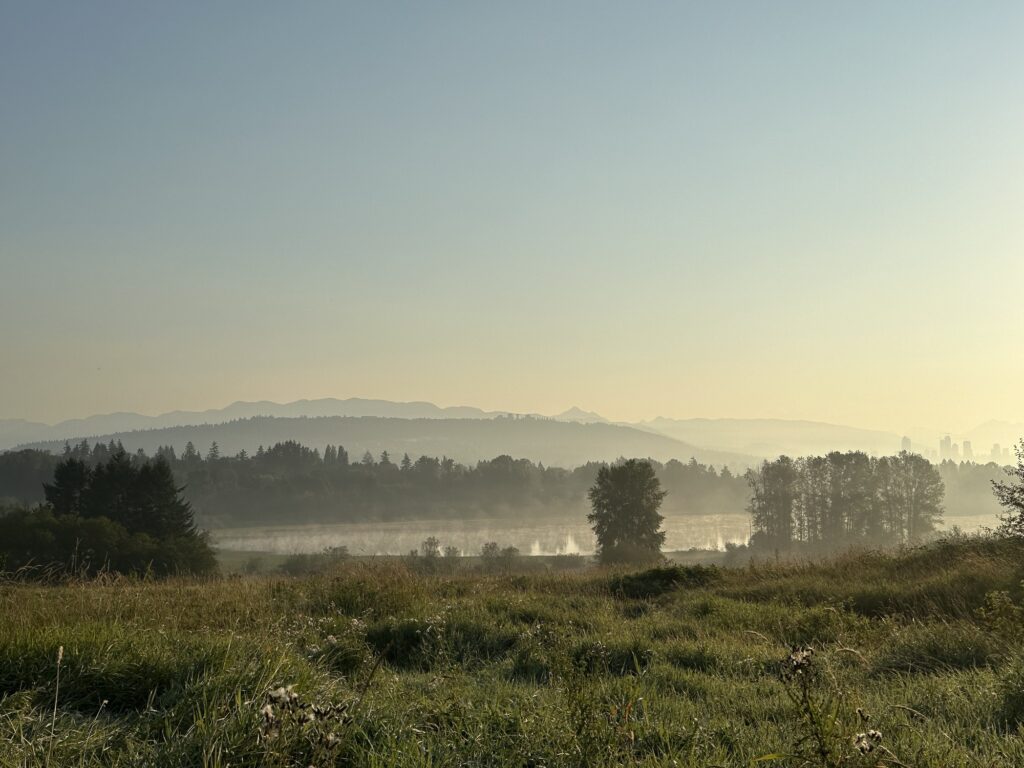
(534, 537)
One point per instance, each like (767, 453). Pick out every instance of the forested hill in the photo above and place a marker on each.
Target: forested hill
(18, 431)
(548, 441)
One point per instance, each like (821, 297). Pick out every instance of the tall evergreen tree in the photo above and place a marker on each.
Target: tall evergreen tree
(70, 479)
(625, 499)
(159, 509)
(120, 514)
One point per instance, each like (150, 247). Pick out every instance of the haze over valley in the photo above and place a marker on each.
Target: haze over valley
(574, 384)
(724, 440)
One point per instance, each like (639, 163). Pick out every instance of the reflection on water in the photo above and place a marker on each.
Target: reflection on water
(570, 548)
(529, 537)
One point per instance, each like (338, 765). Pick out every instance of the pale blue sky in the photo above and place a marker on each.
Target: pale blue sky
(784, 209)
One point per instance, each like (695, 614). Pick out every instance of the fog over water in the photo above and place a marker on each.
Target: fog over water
(531, 538)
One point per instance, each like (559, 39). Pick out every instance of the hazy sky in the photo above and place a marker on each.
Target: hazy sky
(791, 209)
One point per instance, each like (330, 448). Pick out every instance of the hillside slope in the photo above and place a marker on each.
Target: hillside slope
(465, 440)
(18, 431)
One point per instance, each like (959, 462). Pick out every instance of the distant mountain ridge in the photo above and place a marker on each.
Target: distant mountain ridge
(577, 414)
(15, 432)
(558, 443)
(762, 438)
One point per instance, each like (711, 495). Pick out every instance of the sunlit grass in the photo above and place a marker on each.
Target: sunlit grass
(389, 667)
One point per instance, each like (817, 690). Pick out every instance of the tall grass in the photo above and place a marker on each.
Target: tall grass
(374, 665)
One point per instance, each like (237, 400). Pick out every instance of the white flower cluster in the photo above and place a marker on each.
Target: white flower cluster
(866, 742)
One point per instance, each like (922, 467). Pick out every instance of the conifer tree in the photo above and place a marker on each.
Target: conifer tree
(625, 500)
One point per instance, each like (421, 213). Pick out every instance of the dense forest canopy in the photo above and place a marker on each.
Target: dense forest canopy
(828, 502)
(292, 483)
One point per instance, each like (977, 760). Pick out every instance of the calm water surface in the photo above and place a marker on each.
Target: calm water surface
(543, 537)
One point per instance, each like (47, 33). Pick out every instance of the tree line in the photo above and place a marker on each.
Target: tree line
(844, 499)
(291, 482)
(118, 514)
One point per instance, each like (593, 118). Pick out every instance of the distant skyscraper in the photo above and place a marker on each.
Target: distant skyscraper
(905, 444)
(968, 451)
(996, 454)
(945, 448)
(954, 452)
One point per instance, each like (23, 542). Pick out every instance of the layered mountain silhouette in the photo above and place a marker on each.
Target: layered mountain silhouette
(17, 432)
(579, 415)
(552, 442)
(730, 441)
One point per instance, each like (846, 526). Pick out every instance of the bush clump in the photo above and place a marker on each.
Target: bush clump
(658, 581)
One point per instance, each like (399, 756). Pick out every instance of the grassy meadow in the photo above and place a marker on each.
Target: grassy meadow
(918, 660)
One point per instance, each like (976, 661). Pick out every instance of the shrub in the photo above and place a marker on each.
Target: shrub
(658, 581)
(37, 541)
(1001, 615)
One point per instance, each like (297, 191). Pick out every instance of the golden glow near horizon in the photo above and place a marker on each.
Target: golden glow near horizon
(718, 211)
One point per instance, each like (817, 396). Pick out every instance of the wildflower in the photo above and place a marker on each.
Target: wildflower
(797, 663)
(283, 696)
(865, 743)
(268, 713)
